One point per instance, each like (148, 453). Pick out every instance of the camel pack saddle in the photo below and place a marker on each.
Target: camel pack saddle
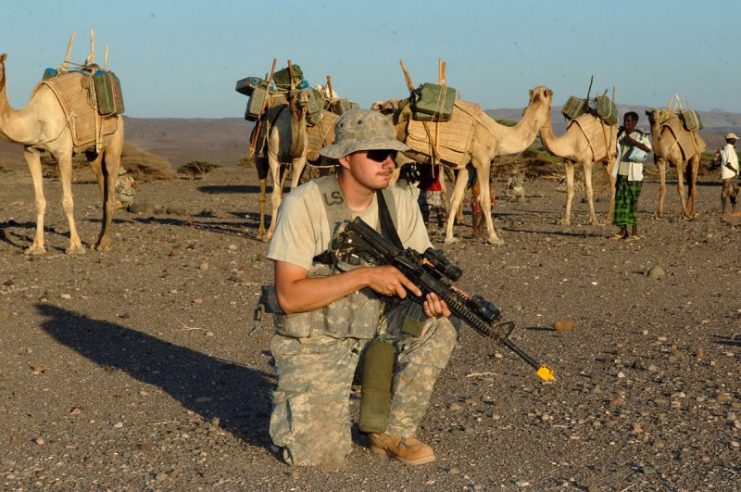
(91, 99)
(602, 106)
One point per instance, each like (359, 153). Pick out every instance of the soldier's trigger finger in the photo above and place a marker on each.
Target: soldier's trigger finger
(410, 286)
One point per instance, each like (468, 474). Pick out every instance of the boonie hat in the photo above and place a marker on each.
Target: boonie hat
(362, 129)
(730, 136)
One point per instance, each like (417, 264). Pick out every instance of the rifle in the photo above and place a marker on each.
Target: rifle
(432, 272)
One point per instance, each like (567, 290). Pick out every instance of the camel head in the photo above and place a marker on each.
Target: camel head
(542, 94)
(299, 101)
(541, 98)
(388, 106)
(657, 115)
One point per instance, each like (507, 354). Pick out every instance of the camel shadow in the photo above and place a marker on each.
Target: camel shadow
(238, 396)
(225, 189)
(9, 235)
(732, 341)
(242, 229)
(553, 233)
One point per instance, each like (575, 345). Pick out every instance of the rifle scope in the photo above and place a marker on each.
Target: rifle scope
(441, 264)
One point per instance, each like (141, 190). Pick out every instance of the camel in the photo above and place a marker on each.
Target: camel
(673, 143)
(42, 126)
(574, 146)
(290, 142)
(490, 139)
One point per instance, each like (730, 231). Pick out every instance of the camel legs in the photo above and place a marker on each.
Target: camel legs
(681, 169)
(65, 177)
(568, 167)
(297, 169)
(661, 164)
(587, 168)
(611, 209)
(261, 204)
(276, 196)
(459, 189)
(483, 168)
(112, 161)
(449, 173)
(33, 160)
(693, 171)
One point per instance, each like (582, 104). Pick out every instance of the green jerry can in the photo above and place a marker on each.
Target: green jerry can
(574, 107)
(691, 120)
(255, 104)
(108, 93)
(342, 106)
(282, 77)
(315, 106)
(606, 109)
(433, 102)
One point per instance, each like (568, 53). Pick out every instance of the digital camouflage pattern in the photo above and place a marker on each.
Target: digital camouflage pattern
(311, 420)
(125, 189)
(362, 129)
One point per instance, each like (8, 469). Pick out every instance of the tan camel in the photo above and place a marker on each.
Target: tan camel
(673, 143)
(491, 139)
(42, 126)
(587, 140)
(291, 143)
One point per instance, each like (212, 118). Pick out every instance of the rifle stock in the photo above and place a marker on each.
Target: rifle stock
(431, 272)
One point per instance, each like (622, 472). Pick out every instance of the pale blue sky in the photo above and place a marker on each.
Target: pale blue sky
(182, 58)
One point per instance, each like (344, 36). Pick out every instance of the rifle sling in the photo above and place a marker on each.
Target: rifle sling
(387, 225)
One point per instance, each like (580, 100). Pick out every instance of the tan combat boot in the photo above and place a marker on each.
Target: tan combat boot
(408, 450)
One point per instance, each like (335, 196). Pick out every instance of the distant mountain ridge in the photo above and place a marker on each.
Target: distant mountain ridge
(224, 140)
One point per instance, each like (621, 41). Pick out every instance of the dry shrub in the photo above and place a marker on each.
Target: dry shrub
(246, 162)
(143, 165)
(197, 169)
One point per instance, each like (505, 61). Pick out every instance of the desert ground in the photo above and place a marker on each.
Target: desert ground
(137, 369)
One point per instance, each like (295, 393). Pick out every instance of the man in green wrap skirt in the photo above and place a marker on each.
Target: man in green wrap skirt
(633, 147)
(332, 314)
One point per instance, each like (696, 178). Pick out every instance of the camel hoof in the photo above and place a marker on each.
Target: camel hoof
(564, 222)
(495, 241)
(103, 247)
(450, 240)
(77, 250)
(35, 250)
(657, 216)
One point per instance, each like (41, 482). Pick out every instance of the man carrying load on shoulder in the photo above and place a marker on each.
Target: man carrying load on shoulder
(633, 147)
(332, 314)
(729, 174)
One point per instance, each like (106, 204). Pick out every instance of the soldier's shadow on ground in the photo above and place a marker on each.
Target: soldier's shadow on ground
(238, 396)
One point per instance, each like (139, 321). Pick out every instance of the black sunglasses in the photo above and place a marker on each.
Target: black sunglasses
(380, 155)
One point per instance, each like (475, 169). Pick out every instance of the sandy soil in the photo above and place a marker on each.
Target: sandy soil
(136, 370)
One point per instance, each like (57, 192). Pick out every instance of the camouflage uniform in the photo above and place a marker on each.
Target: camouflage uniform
(310, 418)
(316, 353)
(125, 189)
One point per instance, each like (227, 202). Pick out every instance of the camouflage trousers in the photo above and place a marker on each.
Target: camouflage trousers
(311, 418)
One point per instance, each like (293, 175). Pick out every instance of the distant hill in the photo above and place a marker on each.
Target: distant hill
(224, 141)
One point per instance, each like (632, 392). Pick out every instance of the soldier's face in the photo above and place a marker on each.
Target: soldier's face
(369, 170)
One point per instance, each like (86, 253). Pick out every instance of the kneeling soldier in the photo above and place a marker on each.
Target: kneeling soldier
(332, 313)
